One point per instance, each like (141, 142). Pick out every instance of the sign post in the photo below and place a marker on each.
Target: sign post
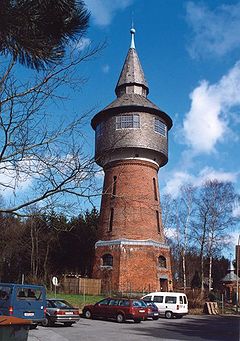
(55, 283)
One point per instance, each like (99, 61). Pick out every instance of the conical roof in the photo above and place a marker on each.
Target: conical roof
(131, 90)
(132, 72)
(231, 276)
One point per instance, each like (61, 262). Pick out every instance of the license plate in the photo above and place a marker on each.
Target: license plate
(28, 314)
(155, 314)
(68, 313)
(141, 311)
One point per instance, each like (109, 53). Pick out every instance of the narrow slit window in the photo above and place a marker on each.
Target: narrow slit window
(155, 189)
(111, 220)
(114, 188)
(158, 221)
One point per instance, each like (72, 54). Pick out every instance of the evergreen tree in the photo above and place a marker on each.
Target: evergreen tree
(35, 32)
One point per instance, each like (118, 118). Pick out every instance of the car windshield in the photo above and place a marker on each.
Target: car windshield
(60, 304)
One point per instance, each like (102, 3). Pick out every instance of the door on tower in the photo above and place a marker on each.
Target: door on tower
(163, 284)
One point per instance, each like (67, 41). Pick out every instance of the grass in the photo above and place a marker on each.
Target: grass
(76, 300)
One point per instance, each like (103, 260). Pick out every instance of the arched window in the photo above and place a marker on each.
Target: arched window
(107, 260)
(162, 262)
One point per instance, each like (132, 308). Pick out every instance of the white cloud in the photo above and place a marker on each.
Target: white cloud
(209, 173)
(207, 123)
(179, 179)
(215, 32)
(82, 44)
(12, 179)
(103, 11)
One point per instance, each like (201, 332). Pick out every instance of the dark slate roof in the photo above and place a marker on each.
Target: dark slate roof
(230, 277)
(126, 102)
(131, 99)
(132, 72)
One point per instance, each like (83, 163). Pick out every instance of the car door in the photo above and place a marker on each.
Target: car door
(159, 301)
(112, 308)
(171, 303)
(101, 308)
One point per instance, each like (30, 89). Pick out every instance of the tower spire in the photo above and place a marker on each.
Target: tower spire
(132, 46)
(132, 75)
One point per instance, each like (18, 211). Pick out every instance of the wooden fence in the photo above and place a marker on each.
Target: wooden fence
(82, 286)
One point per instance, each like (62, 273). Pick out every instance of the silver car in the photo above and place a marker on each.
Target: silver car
(60, 311)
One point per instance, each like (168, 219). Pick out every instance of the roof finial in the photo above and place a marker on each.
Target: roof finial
(132, 40)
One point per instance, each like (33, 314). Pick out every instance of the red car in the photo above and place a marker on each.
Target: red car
(120, 309)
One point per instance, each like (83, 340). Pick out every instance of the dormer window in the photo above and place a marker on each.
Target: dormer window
(160, 127)
(128, 121)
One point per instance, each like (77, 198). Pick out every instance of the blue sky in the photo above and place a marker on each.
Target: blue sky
(189, 51)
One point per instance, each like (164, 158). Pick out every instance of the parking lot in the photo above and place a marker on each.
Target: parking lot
(191, 327)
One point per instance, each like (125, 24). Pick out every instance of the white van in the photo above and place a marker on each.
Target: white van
(170, 304)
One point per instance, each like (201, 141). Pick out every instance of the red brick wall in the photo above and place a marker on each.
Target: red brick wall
(135, 268)
(134, 204)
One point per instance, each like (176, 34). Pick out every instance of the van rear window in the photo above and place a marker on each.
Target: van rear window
(4, 293)
(28, 293)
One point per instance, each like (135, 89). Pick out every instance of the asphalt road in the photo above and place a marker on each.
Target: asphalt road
(194, 328)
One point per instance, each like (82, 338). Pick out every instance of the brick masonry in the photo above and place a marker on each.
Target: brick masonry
(131, 199)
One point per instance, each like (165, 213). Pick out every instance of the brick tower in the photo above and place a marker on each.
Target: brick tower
(131, 146)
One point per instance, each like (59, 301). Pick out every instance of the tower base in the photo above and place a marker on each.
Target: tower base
(138, 266)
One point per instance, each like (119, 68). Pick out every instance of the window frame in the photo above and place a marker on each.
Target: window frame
(128, 121)
(162, 262)
(107, 259)
(160, 127)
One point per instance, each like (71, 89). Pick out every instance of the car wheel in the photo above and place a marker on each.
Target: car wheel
(168, 314)
(155, 318)
(88, 314)
(137, 320)
(120, 318)
(68, 324)
(45, 323)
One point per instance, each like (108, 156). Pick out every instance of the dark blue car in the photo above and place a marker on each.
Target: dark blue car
(24, 301)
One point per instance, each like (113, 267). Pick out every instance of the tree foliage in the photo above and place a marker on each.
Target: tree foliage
(199, 221)
(38, 151)
(43, 246)
(35, 33)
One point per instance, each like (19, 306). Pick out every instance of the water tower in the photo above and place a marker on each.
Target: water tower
(131, 145)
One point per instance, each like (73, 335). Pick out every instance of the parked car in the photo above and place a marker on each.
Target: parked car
(27, 301)
(120, 309)
(170, 304)
(60, 311)
(152, 310)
